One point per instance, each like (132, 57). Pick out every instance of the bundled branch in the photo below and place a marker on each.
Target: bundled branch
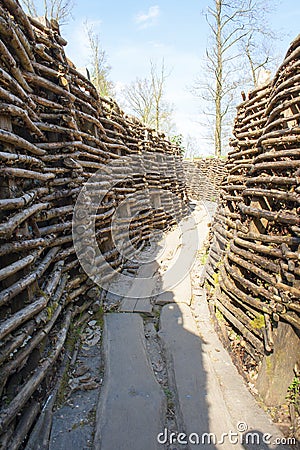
(253, 262)
(57, 135)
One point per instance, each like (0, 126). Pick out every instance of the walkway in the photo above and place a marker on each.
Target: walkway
(203, 401)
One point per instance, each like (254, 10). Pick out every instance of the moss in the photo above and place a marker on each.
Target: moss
(203, 259)
(51, 309)
(99, 316)
(216, 278)
(63, 388)
(219, 316)
(258, 323)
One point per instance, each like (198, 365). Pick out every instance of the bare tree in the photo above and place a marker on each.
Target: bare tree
(139, 99)
(258, 50)
(234, 29)
(99, 66)
(145, 98)
(59, 10)
(191, 147)
(162, 109)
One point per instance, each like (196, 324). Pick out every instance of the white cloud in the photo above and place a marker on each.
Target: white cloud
(145, 20)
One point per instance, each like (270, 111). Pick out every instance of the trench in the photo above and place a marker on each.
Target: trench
(86, 191)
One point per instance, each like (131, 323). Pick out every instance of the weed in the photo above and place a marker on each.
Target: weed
(203, 259)
(219, 316)
(258, 323)
(216, 278)
(293, 393)
(168, 393)
(99, 316)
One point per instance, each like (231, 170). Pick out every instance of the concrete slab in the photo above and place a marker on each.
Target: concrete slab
(128, 304)
(134, 298)
(137, 305)
(131, 406)
(180, 293)
(143, 305)
(200, 406)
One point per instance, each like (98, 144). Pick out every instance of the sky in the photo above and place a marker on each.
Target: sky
(134, 32)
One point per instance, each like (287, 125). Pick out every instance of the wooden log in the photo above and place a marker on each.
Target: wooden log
(264, 275)
(18, 142)
(270, 251)
(238, 312)
(255, 289)
(8, 32)
(7, 228)
(14, 203)
(291, 318)
(36, 80)
(21, 246)
(15, 9)
(55, 212)
(11, 64)
(15, 111)
(40, 435)
(20, 358)
(11, 158)
(267, 238)
(272, 193)
(230, 288)
(269, 333)
(266, 263)
(35, 307)
(257, 344)
(15, 267)
(13, 290)
(24, 173)
(275, 165)
(64, 193)
(7, 414)
(56, 228)
(24, 425)
(47, 103)
(16, 340)
(53, 128)
(10, 98)
(276, 216)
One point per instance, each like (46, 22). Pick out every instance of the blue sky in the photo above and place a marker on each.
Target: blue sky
(134, 32)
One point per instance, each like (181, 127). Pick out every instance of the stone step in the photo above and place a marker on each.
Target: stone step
(132, 405)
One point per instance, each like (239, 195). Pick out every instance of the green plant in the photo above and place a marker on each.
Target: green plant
(219, 316)
(99, 316)
(168, 393)
(203, 259)
(293, 393)
(258, 323)
(170, 401)
(51, 309)
(216, 278)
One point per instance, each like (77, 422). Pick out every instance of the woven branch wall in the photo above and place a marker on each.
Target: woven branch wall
(204, 178)
(253, 261)
(55, 132)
